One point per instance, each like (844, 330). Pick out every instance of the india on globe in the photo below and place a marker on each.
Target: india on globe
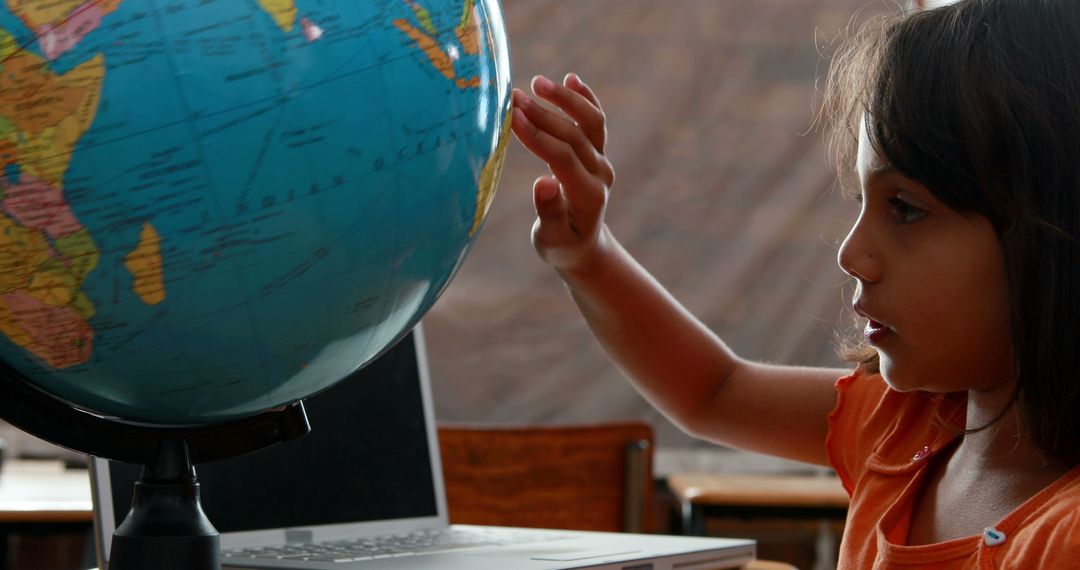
(210, 208)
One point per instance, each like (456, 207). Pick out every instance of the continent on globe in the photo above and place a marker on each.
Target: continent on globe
(79, 256)
(423, 16)
(468, 31)
(282, 11)
(144, 263)
(489, 178)
(46, 253)
(61, 24)
(57, 335)
(8, 45)
(39, 205)
(470, 40)
(44, 114)
(41, 307)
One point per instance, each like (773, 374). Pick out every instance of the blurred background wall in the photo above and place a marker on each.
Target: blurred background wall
(721, 192)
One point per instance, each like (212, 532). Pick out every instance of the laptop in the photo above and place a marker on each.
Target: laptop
(364, 491)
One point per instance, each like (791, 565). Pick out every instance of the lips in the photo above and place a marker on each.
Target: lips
(875, 331)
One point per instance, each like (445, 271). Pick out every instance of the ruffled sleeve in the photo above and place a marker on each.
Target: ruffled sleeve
(858, 396)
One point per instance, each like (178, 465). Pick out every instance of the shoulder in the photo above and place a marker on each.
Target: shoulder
(876, 427)
(1049, 536)
(866, 396)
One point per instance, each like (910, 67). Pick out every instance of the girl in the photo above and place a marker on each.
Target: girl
(957, 432)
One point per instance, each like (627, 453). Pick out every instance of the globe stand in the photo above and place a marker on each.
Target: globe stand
(166, 528)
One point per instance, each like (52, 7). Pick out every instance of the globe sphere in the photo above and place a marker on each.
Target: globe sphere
(211, 209)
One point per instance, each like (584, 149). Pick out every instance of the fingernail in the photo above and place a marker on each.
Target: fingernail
(519, 97)
(541, 84)
(572, 78)
(518, 117)
(546, 192)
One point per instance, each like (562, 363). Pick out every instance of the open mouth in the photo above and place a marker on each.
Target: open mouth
(875, 332)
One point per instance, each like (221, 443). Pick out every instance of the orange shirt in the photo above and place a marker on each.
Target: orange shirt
(880, 442)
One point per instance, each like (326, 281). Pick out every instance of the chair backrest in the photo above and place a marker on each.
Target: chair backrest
(580, 477)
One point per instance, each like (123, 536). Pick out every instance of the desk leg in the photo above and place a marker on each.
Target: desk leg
(693, 519)
(825, 546)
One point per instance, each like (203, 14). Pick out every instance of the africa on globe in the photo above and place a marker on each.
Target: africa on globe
(210, 208)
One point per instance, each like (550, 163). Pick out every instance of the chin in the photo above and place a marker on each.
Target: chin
(897, 378)
(908, 379)
(898, 386)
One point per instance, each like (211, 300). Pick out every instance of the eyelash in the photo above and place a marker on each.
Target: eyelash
(905, 212)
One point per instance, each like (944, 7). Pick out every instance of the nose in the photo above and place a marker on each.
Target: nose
(858, 256)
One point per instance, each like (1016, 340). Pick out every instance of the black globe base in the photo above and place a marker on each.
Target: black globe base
(166, 528)
(166, 553)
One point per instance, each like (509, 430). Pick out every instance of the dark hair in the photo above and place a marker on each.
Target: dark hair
(980, 102)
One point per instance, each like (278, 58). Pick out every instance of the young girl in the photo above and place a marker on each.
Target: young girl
(958, 432)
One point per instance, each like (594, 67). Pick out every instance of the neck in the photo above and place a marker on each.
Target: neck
(1004, 445)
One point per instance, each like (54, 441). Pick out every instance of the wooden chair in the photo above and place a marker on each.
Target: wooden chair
(580, 477)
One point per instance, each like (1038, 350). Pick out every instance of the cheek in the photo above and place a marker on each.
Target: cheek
(956, 332)
(992, 349)
(968, 338)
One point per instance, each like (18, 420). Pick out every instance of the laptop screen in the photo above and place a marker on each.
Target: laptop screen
(366, 459)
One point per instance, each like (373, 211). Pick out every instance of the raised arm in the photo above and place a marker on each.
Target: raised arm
(676, 362)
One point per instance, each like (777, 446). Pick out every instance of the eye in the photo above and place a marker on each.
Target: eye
(905, 213)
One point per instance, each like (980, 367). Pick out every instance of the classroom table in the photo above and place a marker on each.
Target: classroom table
(810, 496)
(45, 514)
(44, 495)
(43, 492)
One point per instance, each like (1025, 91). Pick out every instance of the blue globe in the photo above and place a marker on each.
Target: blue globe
(214, 208)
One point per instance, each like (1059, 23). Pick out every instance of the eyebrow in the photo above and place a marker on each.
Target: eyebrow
(917, 189)
(880, 172)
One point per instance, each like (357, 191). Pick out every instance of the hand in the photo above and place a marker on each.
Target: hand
(570, 203)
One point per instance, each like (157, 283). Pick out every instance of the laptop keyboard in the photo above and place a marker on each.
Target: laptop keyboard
(409, 544)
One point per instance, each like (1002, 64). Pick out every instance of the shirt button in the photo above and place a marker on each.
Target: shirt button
(921, 454)
(993, 536)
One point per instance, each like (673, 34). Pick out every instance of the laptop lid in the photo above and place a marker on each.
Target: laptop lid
(371, 466)
(368, 467)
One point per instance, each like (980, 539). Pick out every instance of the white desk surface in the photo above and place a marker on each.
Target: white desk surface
(43, 491)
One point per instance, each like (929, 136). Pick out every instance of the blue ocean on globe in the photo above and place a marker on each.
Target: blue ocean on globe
(211, 208)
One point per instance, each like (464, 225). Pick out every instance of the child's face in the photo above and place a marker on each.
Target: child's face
(931, 281)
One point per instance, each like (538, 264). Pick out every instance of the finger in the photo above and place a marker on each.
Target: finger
(561, 128)
(548, 201)
(552, 228)
(599, 137)
(579, 185)
(574, 82)
(607, 173)
(587, 115)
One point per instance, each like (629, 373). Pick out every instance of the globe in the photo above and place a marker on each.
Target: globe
(214, 208)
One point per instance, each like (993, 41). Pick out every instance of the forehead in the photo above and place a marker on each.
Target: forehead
(867, 160)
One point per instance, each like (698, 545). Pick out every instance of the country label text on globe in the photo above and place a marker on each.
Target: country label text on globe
(209, 208)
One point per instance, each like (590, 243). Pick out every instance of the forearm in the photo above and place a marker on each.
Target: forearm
(676, 362)
(689, 374)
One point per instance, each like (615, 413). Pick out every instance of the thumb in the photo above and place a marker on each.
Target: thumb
(549, 202)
